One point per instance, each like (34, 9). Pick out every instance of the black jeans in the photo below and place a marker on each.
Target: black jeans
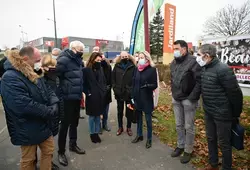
(219, 132)
(120, 109)
(70, 120)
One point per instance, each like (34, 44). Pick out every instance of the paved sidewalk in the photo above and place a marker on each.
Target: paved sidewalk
(114, 153)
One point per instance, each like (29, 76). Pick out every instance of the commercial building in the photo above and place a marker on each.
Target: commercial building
(45, 44)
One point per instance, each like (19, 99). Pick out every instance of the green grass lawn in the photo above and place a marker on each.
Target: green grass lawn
(165, 130)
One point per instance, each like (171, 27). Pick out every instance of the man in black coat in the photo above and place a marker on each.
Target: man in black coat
(69, 69)
(185, 86)
(222, 103)
(122, 78)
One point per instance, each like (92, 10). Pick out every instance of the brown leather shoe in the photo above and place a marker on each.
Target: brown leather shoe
(129, 132)
(119, 132)
(209, 167)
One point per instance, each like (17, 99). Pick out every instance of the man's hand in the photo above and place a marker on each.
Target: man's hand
(54, 109)
(108, 87)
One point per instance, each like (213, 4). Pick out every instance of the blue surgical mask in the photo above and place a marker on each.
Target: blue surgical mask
(142, 61)
(177, 53)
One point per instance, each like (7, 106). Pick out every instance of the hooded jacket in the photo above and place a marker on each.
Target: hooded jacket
(122, 78)
(27, 103)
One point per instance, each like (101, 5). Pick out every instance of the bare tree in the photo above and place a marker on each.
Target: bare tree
(229, 21)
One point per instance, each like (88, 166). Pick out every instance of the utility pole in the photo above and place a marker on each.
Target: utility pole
(146, 26)
(54, 10)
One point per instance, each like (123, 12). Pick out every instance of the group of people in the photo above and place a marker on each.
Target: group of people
(42, 95)
(222, 100)
(38, 92)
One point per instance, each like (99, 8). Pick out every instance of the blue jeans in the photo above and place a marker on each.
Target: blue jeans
(148, 117)
(105, 115)
(94, 124)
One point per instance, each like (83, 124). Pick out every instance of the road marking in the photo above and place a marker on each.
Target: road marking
(2, 130)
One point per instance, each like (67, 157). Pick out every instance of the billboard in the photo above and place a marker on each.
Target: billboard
(137, 41)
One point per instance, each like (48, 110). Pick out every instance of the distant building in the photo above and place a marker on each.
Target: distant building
(45, 44)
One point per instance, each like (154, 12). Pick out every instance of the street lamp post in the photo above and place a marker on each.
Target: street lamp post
(54, 10)
(146, 25)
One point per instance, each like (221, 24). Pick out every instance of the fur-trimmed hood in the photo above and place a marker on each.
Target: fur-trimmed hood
(118, 59)
(16, 62)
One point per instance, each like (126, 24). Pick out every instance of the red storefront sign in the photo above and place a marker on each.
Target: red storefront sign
(65, 41)
(49, 43)
(100, 42)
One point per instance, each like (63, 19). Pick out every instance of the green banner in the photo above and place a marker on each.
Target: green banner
(153, 6)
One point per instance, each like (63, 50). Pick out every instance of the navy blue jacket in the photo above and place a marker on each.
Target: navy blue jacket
(69, 70)
(144, 83)
(27, 107)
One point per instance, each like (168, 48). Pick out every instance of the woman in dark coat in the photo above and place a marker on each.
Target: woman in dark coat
(108, 99)
(144, 83)
(49, 64)
(94, 87)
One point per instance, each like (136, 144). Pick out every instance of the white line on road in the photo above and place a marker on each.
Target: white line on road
(2, 130)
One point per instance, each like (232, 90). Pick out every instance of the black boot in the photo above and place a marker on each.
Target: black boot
(98, 139)
(137, 139)
(149, 144)
(62, 159)
(76, 149)
(54, 166)
(177, 152)
(93, 139)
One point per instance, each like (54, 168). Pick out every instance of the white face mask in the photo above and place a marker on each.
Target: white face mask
(54, 57)
(37, 66)
(200, 61)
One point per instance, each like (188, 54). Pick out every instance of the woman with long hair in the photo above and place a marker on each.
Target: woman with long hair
(94, 87)
(144, 83)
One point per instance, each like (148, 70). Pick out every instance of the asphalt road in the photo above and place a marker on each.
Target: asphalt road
(114, 153)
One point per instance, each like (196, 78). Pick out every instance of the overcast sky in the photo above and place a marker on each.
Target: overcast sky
(103, 19)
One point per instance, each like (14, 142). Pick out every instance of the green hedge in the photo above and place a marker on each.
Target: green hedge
(164, 72)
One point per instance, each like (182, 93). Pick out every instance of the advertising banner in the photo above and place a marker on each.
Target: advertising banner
(169, 28)
(138, 40)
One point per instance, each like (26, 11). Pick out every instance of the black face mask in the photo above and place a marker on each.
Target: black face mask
(79, 54)
(124, 61)
(39, 72)
(104, 63)
(97, 65)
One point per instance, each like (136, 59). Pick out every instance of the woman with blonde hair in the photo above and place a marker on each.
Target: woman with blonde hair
(49, 69)
(144, 83)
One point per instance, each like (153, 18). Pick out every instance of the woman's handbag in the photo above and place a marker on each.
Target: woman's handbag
(237, 136)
